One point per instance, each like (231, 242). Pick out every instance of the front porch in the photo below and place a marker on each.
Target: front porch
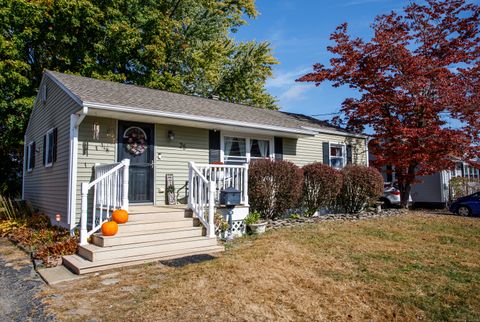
(153, 232)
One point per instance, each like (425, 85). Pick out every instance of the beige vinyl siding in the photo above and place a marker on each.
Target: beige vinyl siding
(308, 150)
(190, 144)
(46, 188)
(92, 151)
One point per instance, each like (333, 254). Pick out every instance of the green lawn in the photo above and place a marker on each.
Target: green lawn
(417, 266)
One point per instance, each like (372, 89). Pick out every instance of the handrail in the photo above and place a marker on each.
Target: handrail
(106, 174)
(110, 192)
(204, 185)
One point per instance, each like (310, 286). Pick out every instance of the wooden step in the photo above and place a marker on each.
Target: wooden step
(154, 225)
(96, 253)
(80, 265)
(157, 216)
(126, 238)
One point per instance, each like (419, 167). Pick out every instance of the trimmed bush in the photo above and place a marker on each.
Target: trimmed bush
(273, 187)
(361, 185)
(321, 187)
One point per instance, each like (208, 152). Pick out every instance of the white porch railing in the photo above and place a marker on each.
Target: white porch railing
(205, 181)
(110, 192)
(225, 176)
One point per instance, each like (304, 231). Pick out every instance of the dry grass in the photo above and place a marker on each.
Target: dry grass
(404, 268)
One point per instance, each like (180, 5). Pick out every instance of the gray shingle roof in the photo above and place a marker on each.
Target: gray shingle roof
(89, 90)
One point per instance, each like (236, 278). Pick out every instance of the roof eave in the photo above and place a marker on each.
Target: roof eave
(196, 118)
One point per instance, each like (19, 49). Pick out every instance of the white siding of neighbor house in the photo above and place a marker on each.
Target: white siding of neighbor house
(46, 188)
(190, 144)
(303, 151)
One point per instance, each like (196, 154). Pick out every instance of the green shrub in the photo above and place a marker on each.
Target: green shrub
(274, 187)
(361, 185)
(252, 218)
(321, 187)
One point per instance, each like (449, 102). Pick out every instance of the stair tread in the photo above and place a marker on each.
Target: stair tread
(148, 232)
(154, 209)
(152, 221)
(97, 249)
(82, 263)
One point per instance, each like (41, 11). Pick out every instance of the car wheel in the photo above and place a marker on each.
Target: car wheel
(464, 211)
(386, 203)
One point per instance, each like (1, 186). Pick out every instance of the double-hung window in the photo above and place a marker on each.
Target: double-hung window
(337, 156)
(49, 148)
(30, 156)
(244, 149)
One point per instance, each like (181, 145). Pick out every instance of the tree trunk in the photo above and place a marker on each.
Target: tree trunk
(405, 185)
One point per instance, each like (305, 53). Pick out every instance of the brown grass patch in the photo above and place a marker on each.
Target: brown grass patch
(401, 268)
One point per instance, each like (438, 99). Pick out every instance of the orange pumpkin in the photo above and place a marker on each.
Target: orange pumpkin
(109, 228)
(120, 216)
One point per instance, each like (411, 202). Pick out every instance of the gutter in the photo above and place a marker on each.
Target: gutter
(75, 121)
(326, 131)
(204, 119)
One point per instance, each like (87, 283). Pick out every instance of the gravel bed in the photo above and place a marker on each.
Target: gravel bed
(288, 222)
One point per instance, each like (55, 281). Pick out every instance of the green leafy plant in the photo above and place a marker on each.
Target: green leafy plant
(294, 216)
(252, 218)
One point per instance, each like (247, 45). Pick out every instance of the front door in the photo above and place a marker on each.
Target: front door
(135, 142)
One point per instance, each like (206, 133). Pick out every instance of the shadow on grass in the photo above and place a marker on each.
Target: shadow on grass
(180, 262)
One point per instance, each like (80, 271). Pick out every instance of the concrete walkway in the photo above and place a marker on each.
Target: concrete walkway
(19, 286)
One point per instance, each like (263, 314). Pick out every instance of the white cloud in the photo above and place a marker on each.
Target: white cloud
(285, 79)
(295, 93)
(361, 2)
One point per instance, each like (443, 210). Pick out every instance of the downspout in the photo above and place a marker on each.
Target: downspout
(367, 140)
(75, 121)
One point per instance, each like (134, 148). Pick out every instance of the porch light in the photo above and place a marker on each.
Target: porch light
(171, 135)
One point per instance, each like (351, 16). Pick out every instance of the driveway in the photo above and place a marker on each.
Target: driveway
(19, 286)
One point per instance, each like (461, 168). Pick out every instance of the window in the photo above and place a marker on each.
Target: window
(259, 149)
(243, 149)
(49, 148)
(30, 156)
(337, 156)
(235, 149)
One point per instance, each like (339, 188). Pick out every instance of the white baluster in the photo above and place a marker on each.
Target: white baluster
(84, 211)
(125, 184)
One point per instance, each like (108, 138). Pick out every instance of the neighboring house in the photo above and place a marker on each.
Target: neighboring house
(94, 145)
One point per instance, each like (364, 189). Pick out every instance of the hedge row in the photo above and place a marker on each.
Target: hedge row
(276, 187)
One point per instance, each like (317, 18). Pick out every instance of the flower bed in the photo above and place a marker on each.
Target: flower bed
(33, 233)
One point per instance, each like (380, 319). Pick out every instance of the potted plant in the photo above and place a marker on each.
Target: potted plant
(221, 225)
(255, 223)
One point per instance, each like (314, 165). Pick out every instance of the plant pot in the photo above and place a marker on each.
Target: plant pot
(258, 228)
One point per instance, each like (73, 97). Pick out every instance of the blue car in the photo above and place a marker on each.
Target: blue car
(467, 206)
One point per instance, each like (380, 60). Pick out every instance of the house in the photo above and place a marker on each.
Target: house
(92, 146)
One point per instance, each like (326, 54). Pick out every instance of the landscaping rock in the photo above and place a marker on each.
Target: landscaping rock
(286, 222)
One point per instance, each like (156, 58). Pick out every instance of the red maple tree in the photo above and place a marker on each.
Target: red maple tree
(419, 80)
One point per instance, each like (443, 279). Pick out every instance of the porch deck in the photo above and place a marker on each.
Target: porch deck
(152, 233)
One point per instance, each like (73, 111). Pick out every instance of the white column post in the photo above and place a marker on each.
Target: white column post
(191, 164)
(84, 211)
(126, 166)
(211, 209)
(245, 184)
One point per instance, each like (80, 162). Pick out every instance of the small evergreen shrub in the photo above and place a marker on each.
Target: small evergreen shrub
(361, 185)
(321, 187)
(274, 187)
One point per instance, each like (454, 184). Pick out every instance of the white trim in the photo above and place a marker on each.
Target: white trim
(75, 121)
(343, 146)
(134, 110)
(47, 147)
(326, 131)
(247, 138)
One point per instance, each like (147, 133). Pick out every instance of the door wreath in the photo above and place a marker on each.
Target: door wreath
(136, 140)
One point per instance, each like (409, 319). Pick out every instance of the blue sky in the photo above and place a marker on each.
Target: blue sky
(299, 33)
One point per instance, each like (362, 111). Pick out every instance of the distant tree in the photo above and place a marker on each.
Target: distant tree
(419, 83)
(183, 46)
